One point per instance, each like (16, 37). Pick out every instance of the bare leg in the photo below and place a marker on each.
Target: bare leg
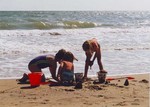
(53, 73)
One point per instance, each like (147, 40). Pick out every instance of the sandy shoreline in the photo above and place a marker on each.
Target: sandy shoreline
(114, 94)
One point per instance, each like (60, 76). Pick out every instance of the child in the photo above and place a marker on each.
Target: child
(44, 61)
(90, 47)
(66, 69)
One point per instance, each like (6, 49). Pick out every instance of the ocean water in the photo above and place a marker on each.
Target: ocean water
(124, 37)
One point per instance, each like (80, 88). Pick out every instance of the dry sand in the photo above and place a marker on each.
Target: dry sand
(114, 94)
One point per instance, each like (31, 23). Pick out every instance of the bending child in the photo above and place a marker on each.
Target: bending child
(44, 61)
(90, 47)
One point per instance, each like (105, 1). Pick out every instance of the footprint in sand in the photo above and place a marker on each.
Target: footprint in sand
(144, 81)
(94, 87)
(69, 90)
(135, 103)
(121, 104)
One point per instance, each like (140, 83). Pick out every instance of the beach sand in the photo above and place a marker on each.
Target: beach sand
(113, 94)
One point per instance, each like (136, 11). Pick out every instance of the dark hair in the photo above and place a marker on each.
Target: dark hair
(86, 46)
(60, 54)
(68, 57)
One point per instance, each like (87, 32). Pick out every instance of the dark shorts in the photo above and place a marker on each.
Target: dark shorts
(67, 76)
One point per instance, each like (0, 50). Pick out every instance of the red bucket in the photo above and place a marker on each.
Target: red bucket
(35, 78)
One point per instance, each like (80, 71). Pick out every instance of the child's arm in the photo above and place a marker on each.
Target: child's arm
(60, 71)
(73, 68)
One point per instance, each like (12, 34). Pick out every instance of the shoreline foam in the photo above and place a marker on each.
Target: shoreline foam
(90, 76)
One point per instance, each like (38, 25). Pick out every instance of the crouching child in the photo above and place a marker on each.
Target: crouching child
(66, 69)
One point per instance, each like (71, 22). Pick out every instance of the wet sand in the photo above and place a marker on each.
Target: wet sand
(113, 94)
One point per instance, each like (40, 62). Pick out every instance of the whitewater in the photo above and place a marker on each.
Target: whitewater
(124, 38)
